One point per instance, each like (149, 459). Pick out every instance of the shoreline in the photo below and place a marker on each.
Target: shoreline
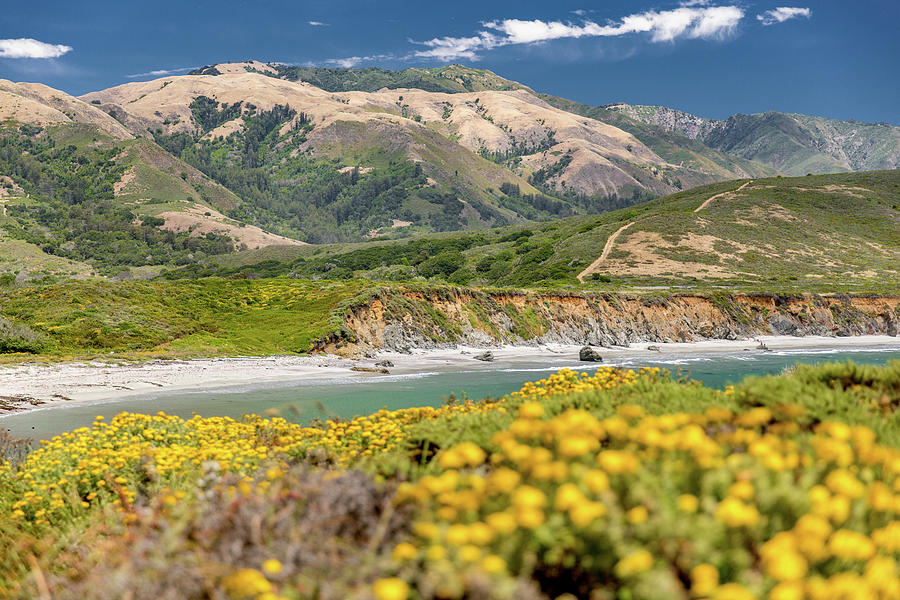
(30, 386)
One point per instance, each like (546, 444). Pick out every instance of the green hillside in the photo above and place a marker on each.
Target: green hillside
(80, 202)
(826, 232)
(323, 197)
(449, 79)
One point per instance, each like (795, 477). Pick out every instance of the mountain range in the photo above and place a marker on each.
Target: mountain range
(246, 155)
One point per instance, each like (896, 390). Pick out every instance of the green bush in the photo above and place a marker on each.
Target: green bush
(19, 338)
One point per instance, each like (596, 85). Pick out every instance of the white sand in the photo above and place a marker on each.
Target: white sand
(30, 384)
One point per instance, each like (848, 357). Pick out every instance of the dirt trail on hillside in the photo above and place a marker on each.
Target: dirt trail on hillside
(711, 198)
(592, 268)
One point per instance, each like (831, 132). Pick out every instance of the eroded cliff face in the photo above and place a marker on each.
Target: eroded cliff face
(402, 320)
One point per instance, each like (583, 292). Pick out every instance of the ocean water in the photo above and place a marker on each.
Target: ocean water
(346, 397)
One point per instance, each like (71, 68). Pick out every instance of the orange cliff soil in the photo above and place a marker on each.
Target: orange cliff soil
(403, 320)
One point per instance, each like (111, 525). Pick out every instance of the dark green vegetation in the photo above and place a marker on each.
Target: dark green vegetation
(286, 190)
(449, 79)
(210, 317)
(791, 143)
(71, 210)
(81, 202)
(826, 233)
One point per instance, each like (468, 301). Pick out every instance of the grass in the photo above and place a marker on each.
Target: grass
(186, 318)
(827, 233)
(620, 484)
(139, 320)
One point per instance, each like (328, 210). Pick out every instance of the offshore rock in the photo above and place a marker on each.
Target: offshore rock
(588, 354)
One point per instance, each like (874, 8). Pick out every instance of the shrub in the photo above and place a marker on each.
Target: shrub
(15, 337)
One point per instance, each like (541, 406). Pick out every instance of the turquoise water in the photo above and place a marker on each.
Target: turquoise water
(346, 397)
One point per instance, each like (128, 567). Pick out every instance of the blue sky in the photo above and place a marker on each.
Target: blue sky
(832, 58)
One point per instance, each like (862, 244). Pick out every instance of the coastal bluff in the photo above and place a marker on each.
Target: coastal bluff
(404, 319)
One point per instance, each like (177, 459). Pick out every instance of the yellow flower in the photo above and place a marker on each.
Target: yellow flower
(735, 513)
(529, 497)
(786, 566)
(567, 496)
(391, 588)
(404, 551)
(704, 579)
(503, 480)
(634, 563)
(843, 482)
(481, 534)
(531, 410)
(577, 445)
(272, 566)
(616, 462)
(850, 545)
(470, 553)
(493, 564)
(596, 481)
(530, 517)
(502, 522)
(457, 535)
(688, 503)
(586, 513)
(787, 590)
(636, 515)
(246, 583)
(742, 489)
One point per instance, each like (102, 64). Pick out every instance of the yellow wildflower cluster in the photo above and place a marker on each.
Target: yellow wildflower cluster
(566, 381)
(252, 584)
(108, 462)
(384, 430)
(747, 506)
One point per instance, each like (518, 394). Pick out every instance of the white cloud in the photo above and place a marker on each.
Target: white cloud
(452, 48)
(316, 23)
(782, 14)
(29, 48)
(162, 72)
(350, 61)
(706, 22)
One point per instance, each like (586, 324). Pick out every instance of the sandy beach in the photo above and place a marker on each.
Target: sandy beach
(30, 385)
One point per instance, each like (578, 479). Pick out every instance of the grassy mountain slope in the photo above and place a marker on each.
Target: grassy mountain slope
(826, 232)
(449, 79)
(491, 152)
(488, 158)
(81, 195)
(700, 163)
(791, 143)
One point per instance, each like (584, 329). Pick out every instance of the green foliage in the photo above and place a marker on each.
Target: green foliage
(15, 337)
(448, 79)
(285, 190)
(444, 263)
(821, 233)
(187, 318)
(71, 209)
(208, 116)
